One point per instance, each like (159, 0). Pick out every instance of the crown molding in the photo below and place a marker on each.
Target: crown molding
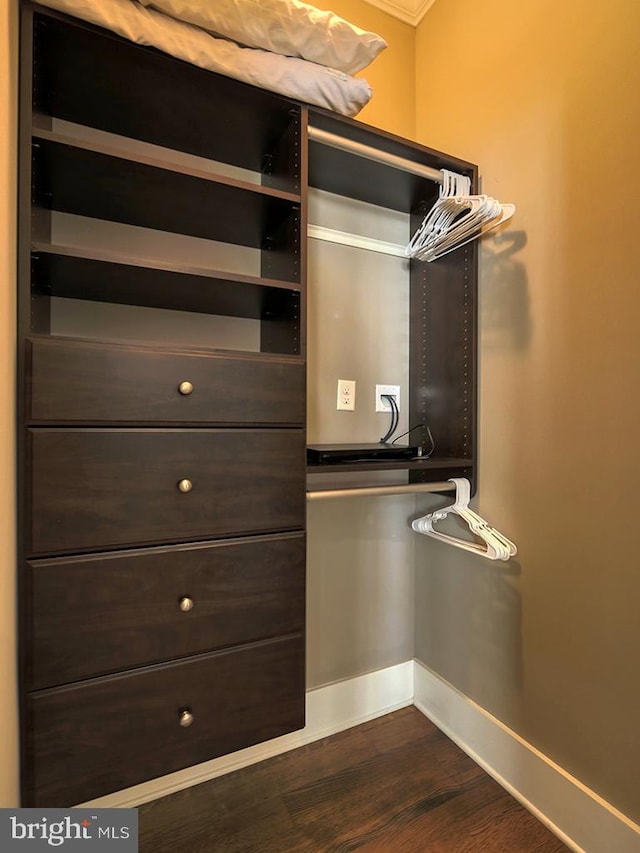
(409, 11)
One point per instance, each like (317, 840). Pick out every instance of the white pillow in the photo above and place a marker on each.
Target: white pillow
(287, 75)
(289, 27)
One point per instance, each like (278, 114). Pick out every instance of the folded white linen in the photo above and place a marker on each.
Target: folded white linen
(289, 27)
(286, 75)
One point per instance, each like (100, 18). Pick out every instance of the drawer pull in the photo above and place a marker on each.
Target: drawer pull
(186, 604)
(186, 718)
(185, 388)
(185, 486)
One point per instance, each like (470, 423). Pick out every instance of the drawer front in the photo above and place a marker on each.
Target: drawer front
(122, 610)
(95, 489)
(102, 736)
(78, 382)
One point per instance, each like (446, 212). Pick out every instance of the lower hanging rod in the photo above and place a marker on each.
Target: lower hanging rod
(334, 141)
(363, 491)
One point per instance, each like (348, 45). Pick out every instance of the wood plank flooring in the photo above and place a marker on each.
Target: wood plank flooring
(392, 785)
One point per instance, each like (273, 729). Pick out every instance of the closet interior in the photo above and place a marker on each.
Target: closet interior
(163, 255)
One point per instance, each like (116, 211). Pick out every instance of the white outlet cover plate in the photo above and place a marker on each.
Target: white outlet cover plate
(384, 405)
(346, 401)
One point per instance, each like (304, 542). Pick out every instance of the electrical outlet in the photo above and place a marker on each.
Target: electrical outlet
(346, 395)
(382, 404)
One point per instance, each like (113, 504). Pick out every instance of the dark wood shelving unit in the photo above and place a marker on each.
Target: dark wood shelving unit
(134, 480)
(169, 477)
(443, 295)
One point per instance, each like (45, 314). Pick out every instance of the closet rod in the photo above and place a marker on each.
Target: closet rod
(334, 141)
(361, 491)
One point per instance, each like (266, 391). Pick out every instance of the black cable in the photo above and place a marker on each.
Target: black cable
(395, 420)
(396, 409)
(396, 412)
(395, 417)
(419, 426)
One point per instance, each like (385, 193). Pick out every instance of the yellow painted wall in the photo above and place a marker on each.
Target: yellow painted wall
(8, 112)
(545, 97)
(391, 74)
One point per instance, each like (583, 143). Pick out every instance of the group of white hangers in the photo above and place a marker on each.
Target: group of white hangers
(456, 218)
(495, 547)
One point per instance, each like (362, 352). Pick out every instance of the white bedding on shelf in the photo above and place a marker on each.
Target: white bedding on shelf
(295, 78)
(289, 27)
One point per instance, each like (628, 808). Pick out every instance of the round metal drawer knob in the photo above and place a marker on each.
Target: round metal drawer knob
(185, 388)
(186, 604)
(186, 718)
(185, 486)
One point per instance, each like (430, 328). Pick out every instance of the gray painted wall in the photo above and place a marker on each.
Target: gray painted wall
(360, 550)
(550, 644)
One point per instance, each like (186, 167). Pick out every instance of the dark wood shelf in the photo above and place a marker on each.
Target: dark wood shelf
(106, 182)
(142, 93)
(415, 465)
(176, 349)
(167, 163)
(105, 276)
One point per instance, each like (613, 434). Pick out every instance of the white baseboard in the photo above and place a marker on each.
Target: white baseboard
(579, 817)
(329, 710)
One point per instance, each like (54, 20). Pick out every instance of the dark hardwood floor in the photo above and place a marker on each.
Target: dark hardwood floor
(392, 785)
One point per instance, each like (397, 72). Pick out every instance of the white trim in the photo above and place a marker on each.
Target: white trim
(357, 241)
(409, 11)
(329, 710)
(579, 817)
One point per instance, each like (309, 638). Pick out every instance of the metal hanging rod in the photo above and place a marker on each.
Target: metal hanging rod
(363, 491)
(334, 141)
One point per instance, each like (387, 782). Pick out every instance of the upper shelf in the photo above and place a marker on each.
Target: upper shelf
(92, 77)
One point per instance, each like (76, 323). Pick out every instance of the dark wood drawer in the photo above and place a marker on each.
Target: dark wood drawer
(104, 735)
(82, 382)
(96, 489)
(89, 616)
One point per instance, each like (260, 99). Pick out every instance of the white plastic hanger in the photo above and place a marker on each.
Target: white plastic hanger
(455, 219)
(496, 546)
(441, 214)
(464, 233)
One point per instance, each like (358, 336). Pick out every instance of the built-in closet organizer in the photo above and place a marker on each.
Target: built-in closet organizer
(162, 279)
(364, 176)
(162, 443)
